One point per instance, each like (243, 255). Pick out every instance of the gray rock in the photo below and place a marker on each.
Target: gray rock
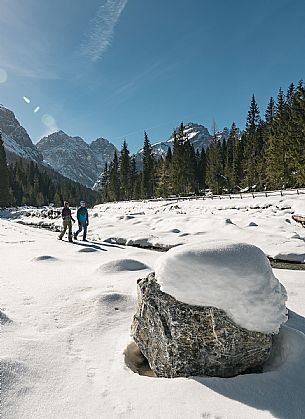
(17, 141)
(181, 340)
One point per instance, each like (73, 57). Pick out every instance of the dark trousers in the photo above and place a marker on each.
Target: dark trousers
(67, 224)
(82, 226)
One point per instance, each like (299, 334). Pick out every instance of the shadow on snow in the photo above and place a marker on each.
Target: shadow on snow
(280, 388)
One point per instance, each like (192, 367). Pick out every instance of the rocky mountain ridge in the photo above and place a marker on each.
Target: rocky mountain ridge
(197, 134)
(81, 161)
(74, 158)
(69, 156)
(17, 142)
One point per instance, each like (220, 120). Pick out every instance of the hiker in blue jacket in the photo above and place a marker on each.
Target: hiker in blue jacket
(83, 220)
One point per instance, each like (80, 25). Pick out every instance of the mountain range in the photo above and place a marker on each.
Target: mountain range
(75, 158)
(69, 156)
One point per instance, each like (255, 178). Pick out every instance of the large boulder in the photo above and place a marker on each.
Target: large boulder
(181, 340)
(211, 308)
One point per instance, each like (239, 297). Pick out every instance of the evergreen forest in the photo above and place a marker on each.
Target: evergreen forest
(27, 183)
(269, 154)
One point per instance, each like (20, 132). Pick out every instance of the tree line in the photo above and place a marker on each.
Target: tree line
(27, 183)
(269, 154)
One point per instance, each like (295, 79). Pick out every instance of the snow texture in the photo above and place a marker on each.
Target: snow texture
(65, 324)
(234, 277)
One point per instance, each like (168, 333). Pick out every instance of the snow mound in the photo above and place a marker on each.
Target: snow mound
(234, 277)
(43, 258)
(88, 250)
(113, 302)
(287, 350)
(120, 265)
(4, 319)
(114, 299)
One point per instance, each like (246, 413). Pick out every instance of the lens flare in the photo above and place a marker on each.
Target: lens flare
(3, 75)
(36, 109)
(26, 99)
(49, 122)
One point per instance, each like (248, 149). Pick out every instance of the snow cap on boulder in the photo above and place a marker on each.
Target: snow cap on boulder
(234, 277)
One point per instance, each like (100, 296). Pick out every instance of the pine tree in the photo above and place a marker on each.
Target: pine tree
(253, 145)
(183, 164)
(125, 172)
(4, 177)
(198, 172)
(58, 200)
(114, 179)
(296, 137)
(276, 136)
(133, 177)
(233, 160)
(148, 169)
(214, 166)
(270, 113)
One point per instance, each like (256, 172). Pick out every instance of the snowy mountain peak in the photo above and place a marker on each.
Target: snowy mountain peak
(197, 134)
(17, 141)
(74, 158)
(103, 150)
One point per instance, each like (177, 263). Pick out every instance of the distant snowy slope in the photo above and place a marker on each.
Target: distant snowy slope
(16, 139)
(16, 149)
(198, 135)
(74, 158)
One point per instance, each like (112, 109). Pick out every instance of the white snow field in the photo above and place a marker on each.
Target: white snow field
(66, 311)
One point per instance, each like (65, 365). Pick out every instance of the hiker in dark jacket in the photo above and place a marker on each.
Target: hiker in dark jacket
(83, 220)
(67, 221)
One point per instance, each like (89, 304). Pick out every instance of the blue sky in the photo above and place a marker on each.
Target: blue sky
(114, 68)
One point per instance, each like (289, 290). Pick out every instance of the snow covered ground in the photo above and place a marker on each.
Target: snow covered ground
(66, 311)
(264, 222)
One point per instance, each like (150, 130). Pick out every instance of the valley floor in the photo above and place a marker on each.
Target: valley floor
(65, 316)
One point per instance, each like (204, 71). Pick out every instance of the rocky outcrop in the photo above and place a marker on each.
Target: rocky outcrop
(74, 158)
(17, 142)
(70, 156)
(4, 319)
(181, 340)
(104, 151)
